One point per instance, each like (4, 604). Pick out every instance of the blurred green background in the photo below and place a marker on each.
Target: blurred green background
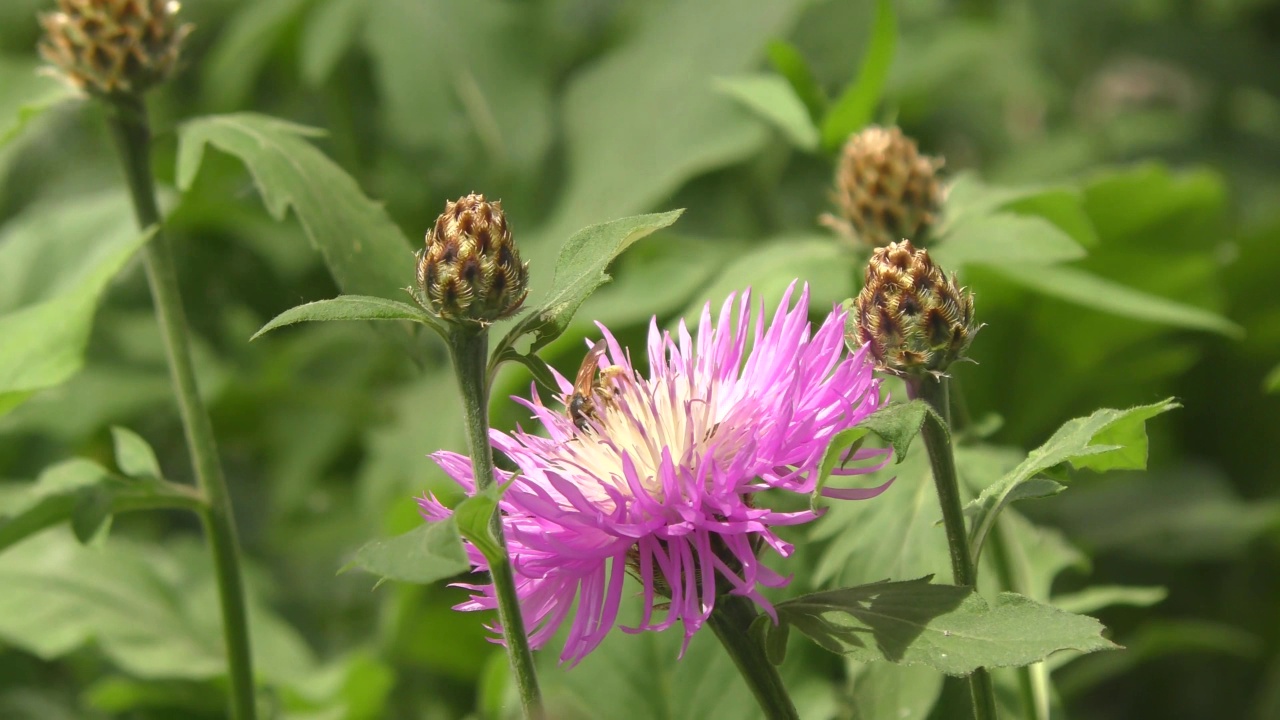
(1146, 133)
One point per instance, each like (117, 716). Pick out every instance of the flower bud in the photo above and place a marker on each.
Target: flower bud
(885, 189)
(113, 47)
(471, 270)
(914, 318)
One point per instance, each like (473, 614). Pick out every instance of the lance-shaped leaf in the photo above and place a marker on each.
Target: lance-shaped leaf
(792, 66)
(775, 102)
(949, 628)
(579, 271)
(855, 107)
(350, 307)
(363, 248)
(1106, 440)
(425, 554)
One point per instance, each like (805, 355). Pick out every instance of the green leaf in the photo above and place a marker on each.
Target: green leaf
(134, 456)
(1005, 239)
(951, 629)
(896, 424)
(774, 101)
(856, 105)
(55, 263)
(1097, 597)
(25, 94)
(350, 307)
(244, 48)
(580, 270)
(1077, 286)
(1106, 440)
(85, 493)
(881, 691)
(152, 611)
(789, 63)
(430, 552)
(362, 247)
(472, 516)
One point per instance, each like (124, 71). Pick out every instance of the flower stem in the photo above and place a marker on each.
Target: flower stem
(469, 348)
(127, 119)
(937, 439)
(731, 620)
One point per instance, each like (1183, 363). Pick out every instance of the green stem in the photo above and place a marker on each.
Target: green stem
(937, 439)
(731, 620)
(127, 118)
(469, 348)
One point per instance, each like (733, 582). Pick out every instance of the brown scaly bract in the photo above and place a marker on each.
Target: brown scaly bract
(915, 318)
(113, 47)
(885, 189)
(471, 269)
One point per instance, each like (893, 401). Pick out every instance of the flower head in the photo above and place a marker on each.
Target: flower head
(470, 269)
(910, 315)
(113, 47)
(659, 478)
(885, 189)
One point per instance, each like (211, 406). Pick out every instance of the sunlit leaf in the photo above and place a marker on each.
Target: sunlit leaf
(951, 629)
(350, 307)
(1106, 440)
(1096, 597)
(855, 106)
(134, 455)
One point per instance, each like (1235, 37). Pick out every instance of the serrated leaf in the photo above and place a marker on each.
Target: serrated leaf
(857, 104)
(134, 455)
(792, 66)
(86, 493)
(425, 554)
(949, 628)
(1091, 291)
(362, 247)
(1005, 238)
(775, 102)
(350, 307)
(580, 270)
(1106, 440)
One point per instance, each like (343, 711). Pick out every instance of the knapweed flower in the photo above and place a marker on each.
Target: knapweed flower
(658, 475)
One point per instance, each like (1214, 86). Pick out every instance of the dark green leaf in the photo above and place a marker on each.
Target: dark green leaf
(580, 270)
(1106, 440)
(362, 247)
(774, 101)
(1080, 287)
(134, 456)
(430, 552)
(948, 628)
(243, 50)
(330, 31)
(350, 307)
(789, 63)
(856, 105)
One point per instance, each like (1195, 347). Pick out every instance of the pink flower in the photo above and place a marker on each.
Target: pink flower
(659, 480)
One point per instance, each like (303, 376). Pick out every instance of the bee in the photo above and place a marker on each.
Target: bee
(589, 386)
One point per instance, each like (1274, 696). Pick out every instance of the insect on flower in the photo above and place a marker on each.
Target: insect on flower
(590, 385)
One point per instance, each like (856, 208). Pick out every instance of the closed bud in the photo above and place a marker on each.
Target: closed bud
(885, 189)
(470, 269)
(113, 47)
(914, 319)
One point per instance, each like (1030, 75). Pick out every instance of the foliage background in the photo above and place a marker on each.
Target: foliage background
(1148, 132)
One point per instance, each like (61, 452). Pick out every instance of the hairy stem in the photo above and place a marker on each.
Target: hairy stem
(469, 348)
(937, 439)
(731, 621)
(127, 118)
